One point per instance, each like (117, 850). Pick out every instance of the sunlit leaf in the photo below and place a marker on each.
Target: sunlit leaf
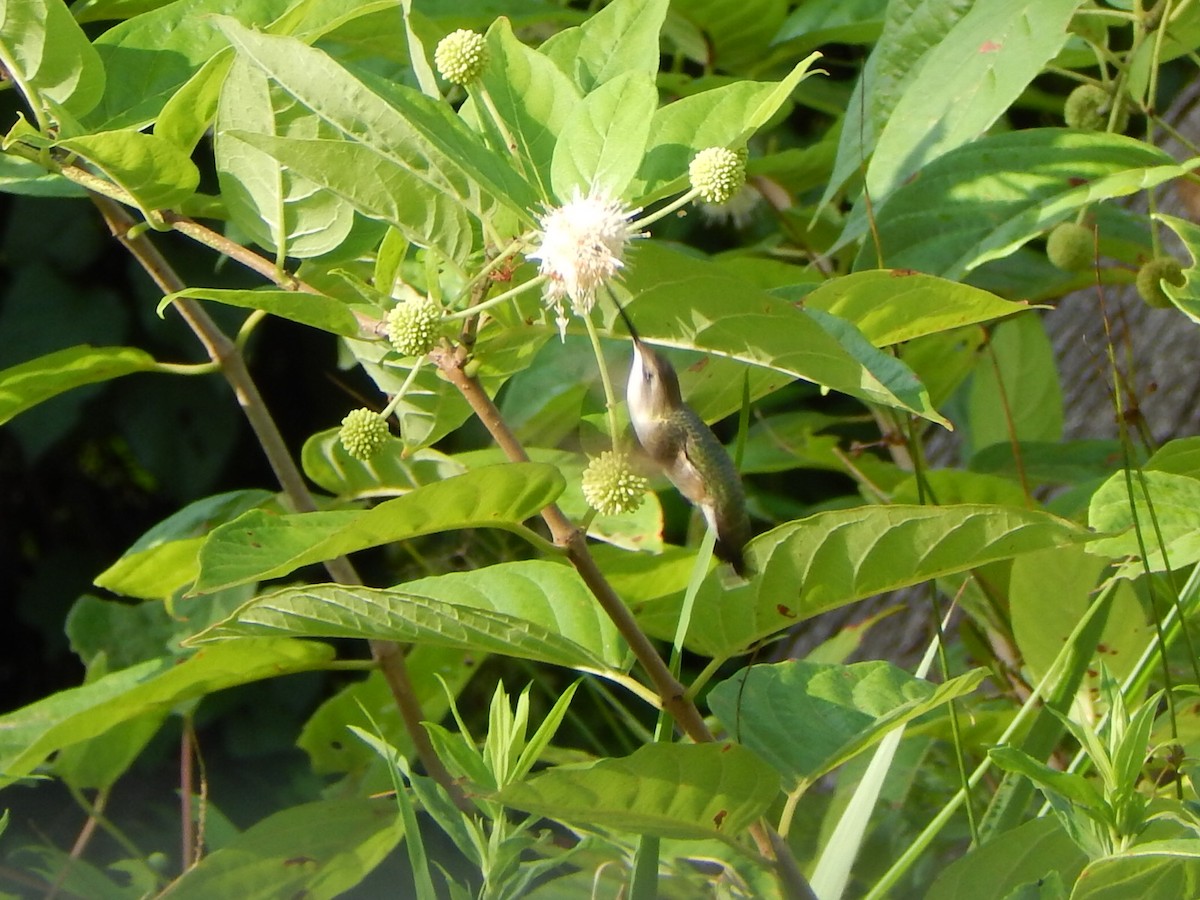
(28, 384)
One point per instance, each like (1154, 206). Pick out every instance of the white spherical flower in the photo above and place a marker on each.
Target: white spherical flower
(717, 173)
(460, 56)
(581, 245)
(611, 487)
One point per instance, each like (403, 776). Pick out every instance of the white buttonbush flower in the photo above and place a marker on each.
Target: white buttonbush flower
(460, 56)
(717, 173)
(581, 245)
(363, 432)
(611, 487)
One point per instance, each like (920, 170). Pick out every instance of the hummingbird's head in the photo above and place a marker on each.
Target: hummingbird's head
(653, 390)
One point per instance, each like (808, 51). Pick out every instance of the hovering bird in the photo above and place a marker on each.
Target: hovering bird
(686, 449)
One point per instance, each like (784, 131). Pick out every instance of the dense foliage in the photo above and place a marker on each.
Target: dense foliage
(314, 353)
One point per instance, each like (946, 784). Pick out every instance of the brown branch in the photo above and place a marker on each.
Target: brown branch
(388, 655)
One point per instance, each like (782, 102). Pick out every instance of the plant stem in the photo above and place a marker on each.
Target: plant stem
(221, 350)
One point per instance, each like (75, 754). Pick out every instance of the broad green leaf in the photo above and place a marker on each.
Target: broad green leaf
(1173, 505)
(1179, 457)
(532, 96)
(30, 734)
(912, 29)
(279, 209)
(1015, 393)
(835, 558)
(622, 38)
(26, 385)
(738, 34)
(390, 471)
(95, 764)
(604, 137)
(405, 136)
(431, 669)
(546, 594)
(318, 310)
(840, 710)
(48, 57)
(834, 22)
(163, 560)
(721, 117)
(1024, 855)
(258, 545)
(943, 487)
(1015, 185)
(1072, 787)
(1154, 869)
(891, 306)
(317, 850)
(191, 110)
(154, 171)
(151, 56)
(398, 614)
(688, 303)
(967, 82)
(1050, 591)
(685, 791)
(1066, 462)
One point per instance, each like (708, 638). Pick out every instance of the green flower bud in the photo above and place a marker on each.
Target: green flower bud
(610, 486)
(363, 433)
(460, 56)
(1071, 247)
(412, 325)
(1088, 107)
(1149, 276)
(717, 173)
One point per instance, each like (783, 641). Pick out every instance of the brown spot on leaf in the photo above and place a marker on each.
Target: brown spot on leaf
(785, 611)
(719, 818)
(700, 365)
(298, 861)
(990, 47)
(903, 273)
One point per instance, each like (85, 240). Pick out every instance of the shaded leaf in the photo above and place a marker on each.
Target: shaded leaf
(840, 710)
(48, 57)
(685, 791)
(1155, 869)
(1173, 505)
(30, 734)
(154, 171)
(390, 471)
(317, 850)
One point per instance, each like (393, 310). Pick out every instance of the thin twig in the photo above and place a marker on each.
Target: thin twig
(222, 350)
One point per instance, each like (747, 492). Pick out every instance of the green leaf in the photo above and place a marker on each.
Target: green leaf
(684, 791)
(840, 710)
(318, 850)
(318, 310)
(22, 176)
(191, 110)
(891, 306)
(163, 560)
(835, 558)
(48, 57)
(567, 637)
(1154, 869)
(407, 138)
(604, 137)
(912, 29)
(738, 34)
(1070, 786)
(23, 387)
(1015, 185)
(966, 83)
(1026, 854)
(622, 38)
(532, 96)
(30, 734)
(722, 117)
(1015, 393)
(1174, 503)
(278, 209)
(154, 171)
(259, 545)
(390, 471)
(691, 304)
(151, 56)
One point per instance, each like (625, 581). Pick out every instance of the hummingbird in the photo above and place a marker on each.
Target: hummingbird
(686, 449)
